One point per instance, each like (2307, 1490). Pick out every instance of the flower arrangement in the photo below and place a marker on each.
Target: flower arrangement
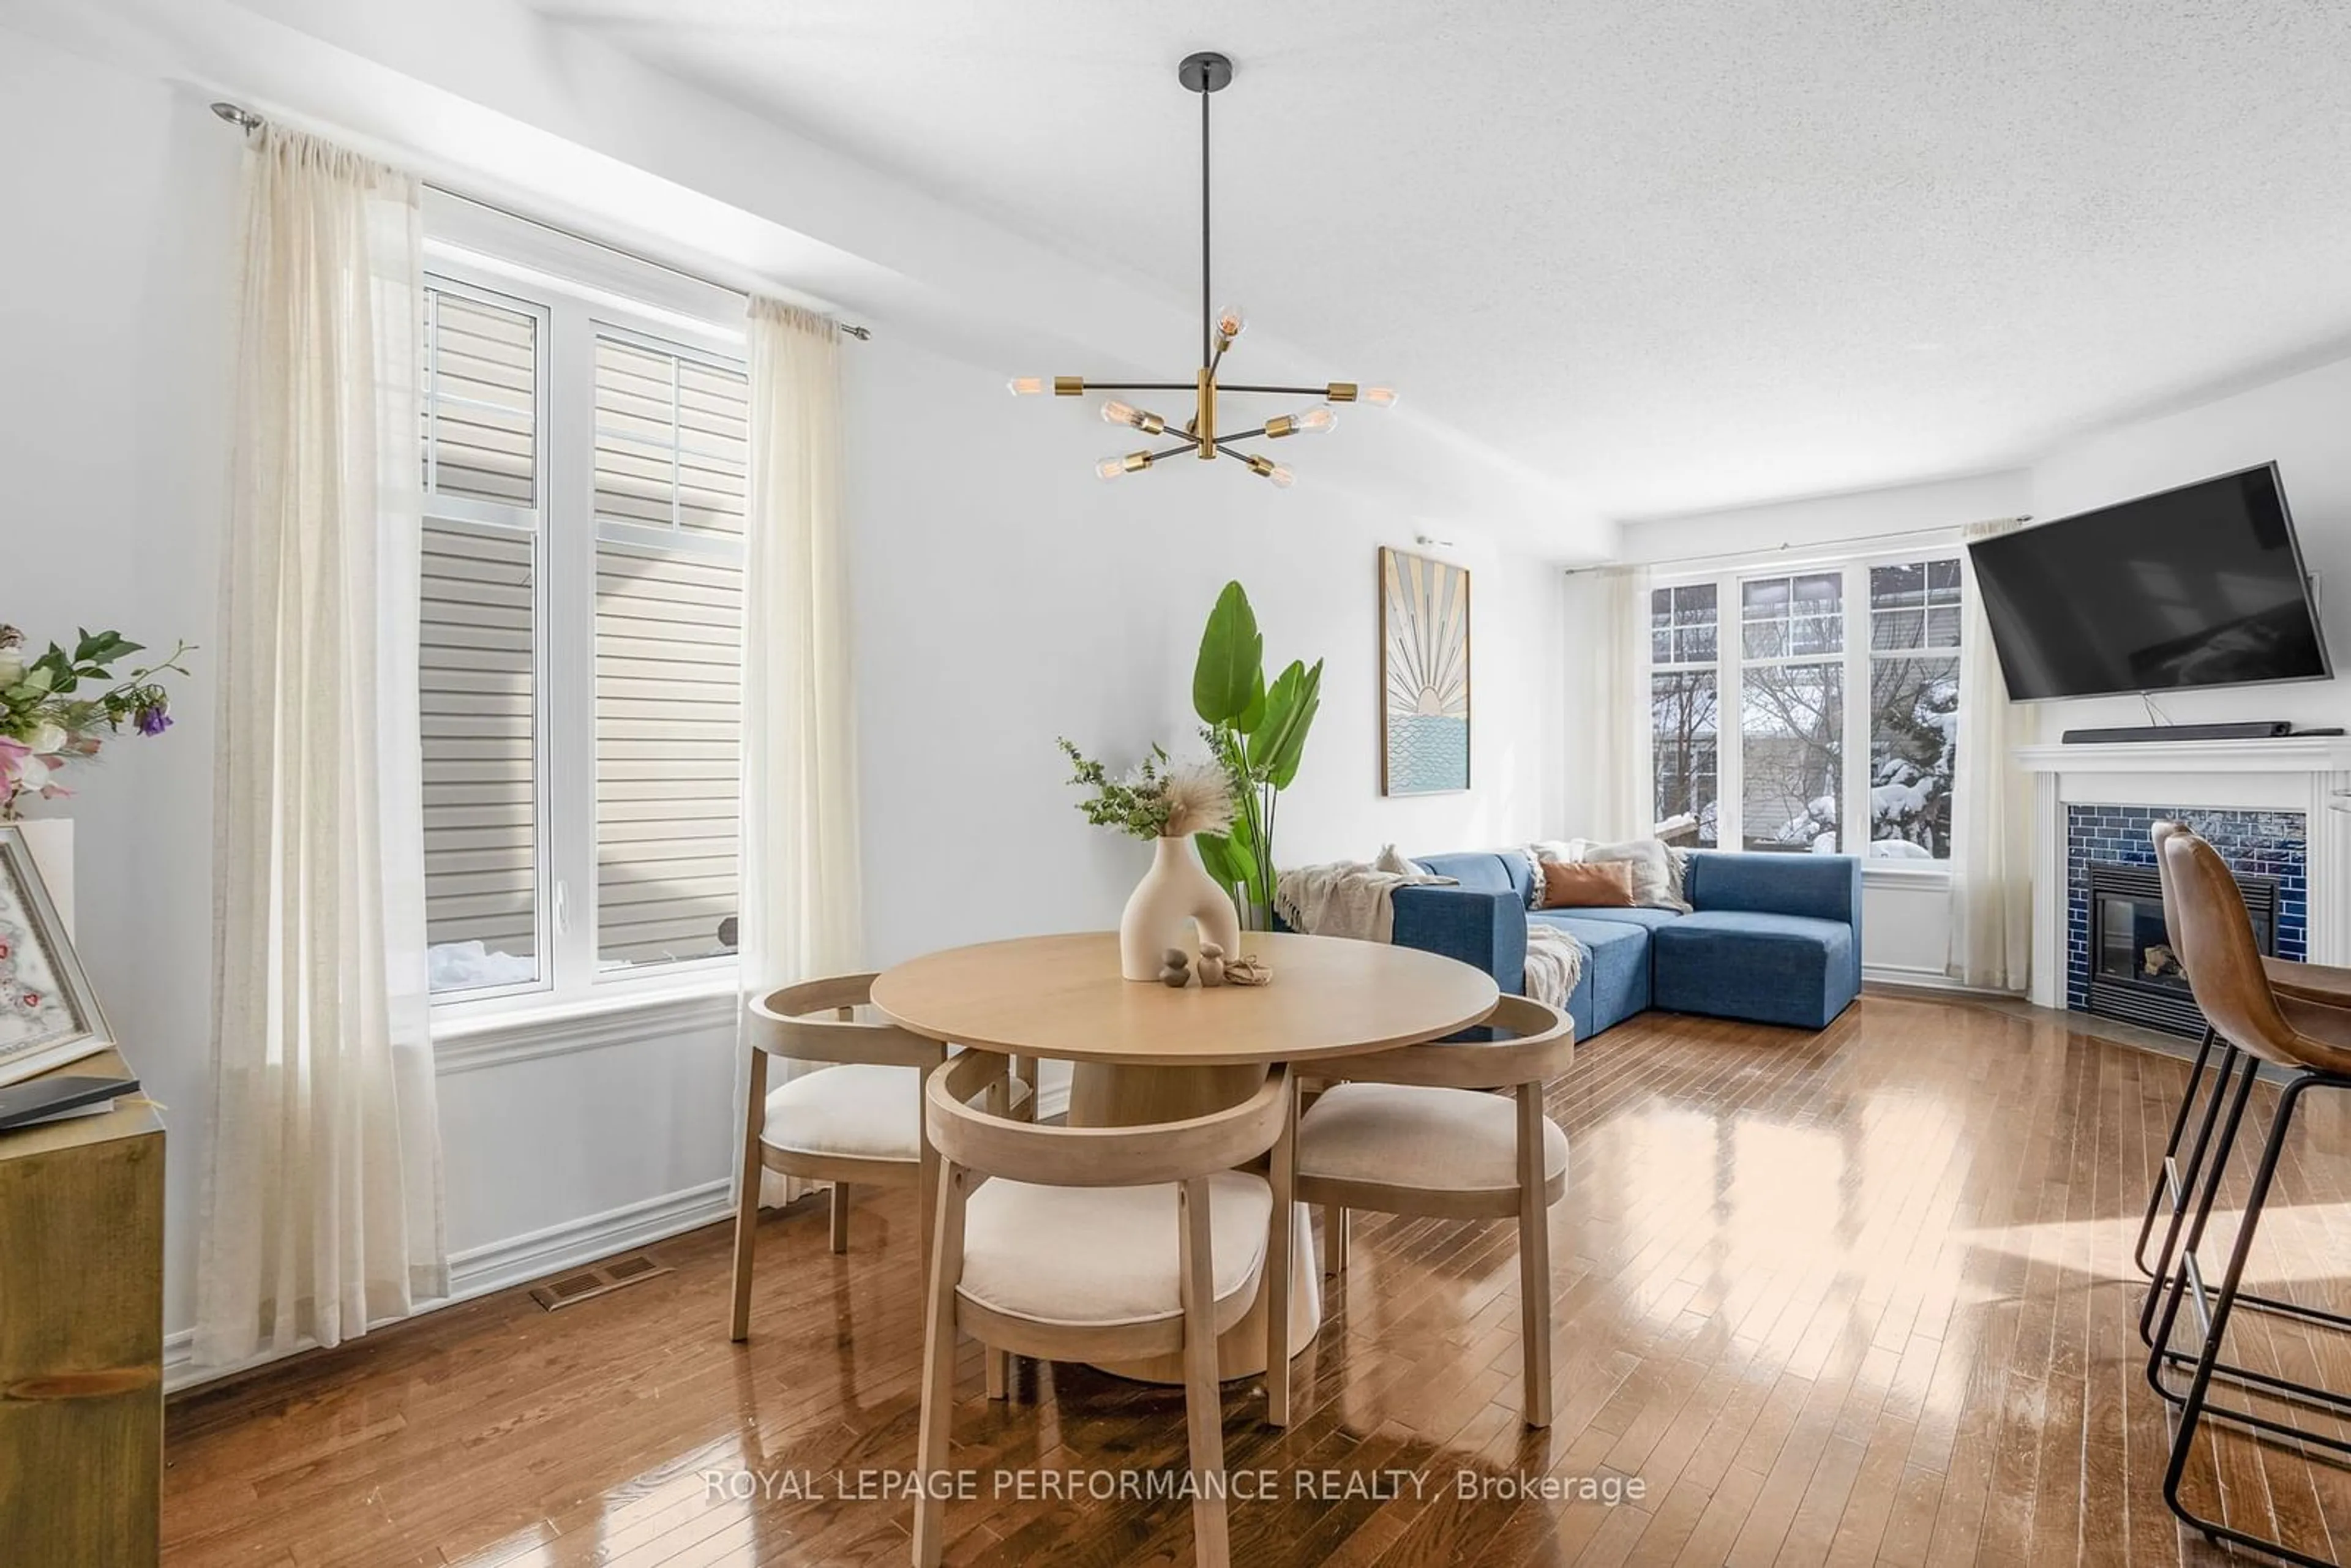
(46, 720)
(1159, 799)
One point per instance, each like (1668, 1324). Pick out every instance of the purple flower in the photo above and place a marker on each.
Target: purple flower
(152, 719)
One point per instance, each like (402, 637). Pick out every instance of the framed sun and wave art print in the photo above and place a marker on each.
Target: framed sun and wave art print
(1424, 674)
(47, 1014)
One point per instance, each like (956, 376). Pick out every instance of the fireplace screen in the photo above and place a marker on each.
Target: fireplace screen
(2133, 973)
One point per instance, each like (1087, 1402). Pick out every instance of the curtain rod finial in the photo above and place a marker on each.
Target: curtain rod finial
(238, 115)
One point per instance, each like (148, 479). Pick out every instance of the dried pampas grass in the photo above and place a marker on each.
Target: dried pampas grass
(1199, 801)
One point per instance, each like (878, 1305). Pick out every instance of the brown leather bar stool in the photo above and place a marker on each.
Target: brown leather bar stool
(2175, 1181)
(2311, 1042)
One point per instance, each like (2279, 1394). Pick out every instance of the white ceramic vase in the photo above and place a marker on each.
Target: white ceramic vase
(1177, 888)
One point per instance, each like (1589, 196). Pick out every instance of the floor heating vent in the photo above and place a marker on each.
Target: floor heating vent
(596, 1279)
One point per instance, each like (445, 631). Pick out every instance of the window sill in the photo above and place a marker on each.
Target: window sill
(464, 1041)
(1906, 874)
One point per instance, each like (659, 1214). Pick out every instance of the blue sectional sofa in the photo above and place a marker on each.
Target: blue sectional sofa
(1772, 938)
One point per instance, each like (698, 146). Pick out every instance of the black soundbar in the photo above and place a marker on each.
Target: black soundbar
(2252, 730)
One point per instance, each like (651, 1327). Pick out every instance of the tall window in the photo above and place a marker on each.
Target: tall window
(1914, 707)
(1684, 703)
(1808, 765)
(581, 637)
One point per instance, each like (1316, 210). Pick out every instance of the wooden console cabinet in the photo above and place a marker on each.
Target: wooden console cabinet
(82, 1336)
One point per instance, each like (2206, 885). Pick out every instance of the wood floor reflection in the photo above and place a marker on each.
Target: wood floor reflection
(1856, 1297)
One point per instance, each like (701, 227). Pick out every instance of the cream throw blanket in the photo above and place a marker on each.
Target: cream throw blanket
(1554, 964)
(1355, 899)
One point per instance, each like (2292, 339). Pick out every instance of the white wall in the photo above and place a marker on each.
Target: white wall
(2301, 422)
(116, 295)
(1005, 596)
(1828, 522)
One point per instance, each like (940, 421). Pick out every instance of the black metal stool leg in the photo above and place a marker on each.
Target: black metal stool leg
(2180, 1181)
(2188, 1278)
(2174, 1288)
(2169, 1182)
(2206, 1162)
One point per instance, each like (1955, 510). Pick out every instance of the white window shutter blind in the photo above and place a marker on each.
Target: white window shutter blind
(478, 642)
(481, 400)
(481, 826)
(671, 433)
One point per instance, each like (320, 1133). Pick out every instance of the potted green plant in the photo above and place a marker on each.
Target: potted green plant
(1257, 731)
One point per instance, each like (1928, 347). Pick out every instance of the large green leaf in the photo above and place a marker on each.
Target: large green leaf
(1253, 714)
(1231, 665)
(1291, 704)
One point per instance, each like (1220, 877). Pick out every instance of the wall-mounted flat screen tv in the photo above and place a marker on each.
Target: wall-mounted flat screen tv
(2201, 586)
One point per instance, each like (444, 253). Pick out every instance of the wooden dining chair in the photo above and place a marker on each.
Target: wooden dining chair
(1418, 1130)
(856, 1121)
(1104, 1244)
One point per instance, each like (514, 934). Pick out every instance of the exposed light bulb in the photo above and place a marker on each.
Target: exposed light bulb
(1026, 386)
(1123, 463)
(1281, 476)
(1266, 469)
(1142, 419)
(1230, 322)
(1380, 397)
(1316, 420)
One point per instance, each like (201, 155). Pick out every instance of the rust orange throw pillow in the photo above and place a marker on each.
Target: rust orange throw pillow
(1587, 884)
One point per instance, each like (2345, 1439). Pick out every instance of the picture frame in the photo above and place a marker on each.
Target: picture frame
(48, 1013)
(1425, 718)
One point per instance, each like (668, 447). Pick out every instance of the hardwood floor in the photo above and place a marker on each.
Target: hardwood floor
(1856, 1297)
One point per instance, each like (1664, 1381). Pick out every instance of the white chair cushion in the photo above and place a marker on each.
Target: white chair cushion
(1429, 1140)
(1099, 1256)
(855, 1109)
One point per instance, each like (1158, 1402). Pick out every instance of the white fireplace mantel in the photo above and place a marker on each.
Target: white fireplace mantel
(2308, 774)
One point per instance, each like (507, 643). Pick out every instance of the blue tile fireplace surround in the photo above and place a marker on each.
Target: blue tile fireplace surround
(2254, 844)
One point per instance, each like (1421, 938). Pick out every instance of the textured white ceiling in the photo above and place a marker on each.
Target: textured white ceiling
(1674, 255)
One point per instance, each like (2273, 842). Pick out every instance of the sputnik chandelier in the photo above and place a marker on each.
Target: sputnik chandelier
(1206, 74)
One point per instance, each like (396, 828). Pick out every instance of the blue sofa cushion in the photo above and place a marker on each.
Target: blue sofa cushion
(1792, 969)
(1616, 981)
(1825, 887)
(1647, 919)
(1484, 870)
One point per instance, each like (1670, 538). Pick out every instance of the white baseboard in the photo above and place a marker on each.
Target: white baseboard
(1923, 981)
(479, 1270)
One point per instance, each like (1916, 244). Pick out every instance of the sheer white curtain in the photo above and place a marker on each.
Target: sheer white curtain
(1992, 827)
(322, 1211)
(802, 907)
(1616, 610)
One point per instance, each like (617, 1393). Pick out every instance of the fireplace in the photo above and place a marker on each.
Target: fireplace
(2133, 973)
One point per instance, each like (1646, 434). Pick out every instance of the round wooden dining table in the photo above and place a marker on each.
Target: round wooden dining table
(1146, 1053)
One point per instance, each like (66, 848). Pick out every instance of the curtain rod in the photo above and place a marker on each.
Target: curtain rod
(1786, 546)
(245, 120)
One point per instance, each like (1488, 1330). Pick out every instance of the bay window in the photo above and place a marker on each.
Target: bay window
(1843, 680)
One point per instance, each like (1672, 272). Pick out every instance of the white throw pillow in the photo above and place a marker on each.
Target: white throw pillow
(1657, 878)
(1392, 861)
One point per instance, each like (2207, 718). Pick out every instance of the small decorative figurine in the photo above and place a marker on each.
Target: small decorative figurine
(1247, 970)
(1175, 968)
(1212, 964)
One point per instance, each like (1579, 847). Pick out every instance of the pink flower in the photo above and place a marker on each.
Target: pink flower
(13, 754)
